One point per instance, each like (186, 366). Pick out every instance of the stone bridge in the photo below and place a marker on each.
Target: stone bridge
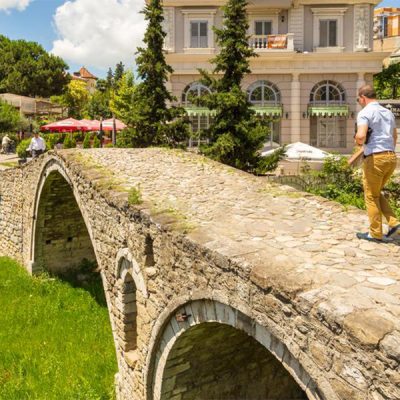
(219, 285)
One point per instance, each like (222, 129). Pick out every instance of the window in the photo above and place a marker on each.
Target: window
(328, 132)
(328, 33)
(327, 93)
(199, 34)
(263, 28)
(195, 89)
(264, 93)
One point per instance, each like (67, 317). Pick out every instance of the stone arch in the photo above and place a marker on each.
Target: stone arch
(60, 234)
(193, 314)
(129, 282)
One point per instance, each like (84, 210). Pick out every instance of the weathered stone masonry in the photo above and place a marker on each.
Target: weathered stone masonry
(218, 285)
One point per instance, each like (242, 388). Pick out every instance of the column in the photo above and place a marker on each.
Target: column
(295, 114)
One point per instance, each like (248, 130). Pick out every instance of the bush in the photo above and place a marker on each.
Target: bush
(21, 148)
(86, 141)
(109, 145)
(78, 136)
(96, 142)
(69, 142)
(125, 138)
(51, 140)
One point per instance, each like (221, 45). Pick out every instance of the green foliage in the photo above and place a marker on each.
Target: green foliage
(22, 147)
(387, 82)
(78, 136)
(236, 135)
(86, 141)
(118, 73)
(155, 123)
(98, 105)
(51, 140)
(69, 142)
(135, 196)
(122, 99)
(126, 138)
(27, 69)
(10, 118)
(54, 338)
(76, 98)
(270, 163)
(96, 142)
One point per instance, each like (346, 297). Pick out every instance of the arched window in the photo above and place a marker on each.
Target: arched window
(327, 93)
(195, 89)
(264, 93)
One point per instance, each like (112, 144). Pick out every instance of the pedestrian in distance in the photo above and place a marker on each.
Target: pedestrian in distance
(6, 144)
(376, 132)
(37, 145)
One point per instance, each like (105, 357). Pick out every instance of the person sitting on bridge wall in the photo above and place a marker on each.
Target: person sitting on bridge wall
(379, 161)
(37, 145)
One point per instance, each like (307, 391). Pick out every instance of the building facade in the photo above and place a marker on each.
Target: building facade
(312, 58)
(387, 32)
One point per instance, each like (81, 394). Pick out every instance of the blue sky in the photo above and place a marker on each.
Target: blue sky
(83, 28)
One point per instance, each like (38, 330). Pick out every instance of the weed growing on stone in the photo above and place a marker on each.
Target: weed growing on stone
(55, 340)
(135, 196)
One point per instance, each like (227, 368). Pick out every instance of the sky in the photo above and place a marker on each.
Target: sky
(96, 34)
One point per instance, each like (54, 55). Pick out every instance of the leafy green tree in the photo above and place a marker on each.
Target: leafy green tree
(99, 105)
(10, 118)
(156, 123)
(387, 82)
(76, 98)
(236, 135)
(122, 100)
(118, 73)
(27, 69)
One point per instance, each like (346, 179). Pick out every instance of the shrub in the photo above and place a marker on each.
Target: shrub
(21, 148)
(96, 142)
(135, 196)
(78, 136)
(51, 140)
(270, 162)
(125, 138)
(69, 142)
(86, 141)
(109, 145)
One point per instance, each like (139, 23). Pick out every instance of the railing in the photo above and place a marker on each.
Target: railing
(272, 42)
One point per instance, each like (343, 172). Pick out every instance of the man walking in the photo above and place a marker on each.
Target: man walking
(37, 145)
(379, 163)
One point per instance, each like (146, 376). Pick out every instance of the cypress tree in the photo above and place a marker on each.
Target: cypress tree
(156, 123)
(236, 135)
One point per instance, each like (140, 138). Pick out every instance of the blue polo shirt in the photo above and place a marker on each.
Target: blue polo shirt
(382, 122)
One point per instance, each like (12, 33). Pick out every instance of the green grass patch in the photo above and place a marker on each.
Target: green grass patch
(55, 339)
(135, 196)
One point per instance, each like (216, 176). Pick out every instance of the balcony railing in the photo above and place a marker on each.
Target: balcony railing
(272, 42)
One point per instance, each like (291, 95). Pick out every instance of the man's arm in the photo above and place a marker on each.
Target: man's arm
(361, 135)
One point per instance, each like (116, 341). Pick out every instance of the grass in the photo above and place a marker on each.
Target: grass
(55, 339)
(135, 196)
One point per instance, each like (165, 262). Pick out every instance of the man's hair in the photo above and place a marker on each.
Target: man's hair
(368, 91)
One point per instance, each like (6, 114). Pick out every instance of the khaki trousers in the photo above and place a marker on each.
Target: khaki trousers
(378, 168)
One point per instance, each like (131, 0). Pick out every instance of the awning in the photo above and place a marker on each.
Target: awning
(196, 111)
(272, 111)
(328, 111)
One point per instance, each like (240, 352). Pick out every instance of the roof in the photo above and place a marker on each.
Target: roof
(84, 73)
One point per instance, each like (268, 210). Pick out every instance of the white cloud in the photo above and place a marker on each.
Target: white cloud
(99, 33)
(20, 5)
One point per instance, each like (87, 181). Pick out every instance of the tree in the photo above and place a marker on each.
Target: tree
(99, 105)
(236, 134)
(76, 98)
(109, 79)
(387, 82)
(27, 69)
(122, 100)
(118, 73)
(10, 118)
(156, 123)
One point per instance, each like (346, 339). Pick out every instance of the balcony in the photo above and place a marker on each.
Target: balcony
(266, 43)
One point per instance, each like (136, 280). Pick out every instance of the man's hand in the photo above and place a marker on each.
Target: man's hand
(361, 134)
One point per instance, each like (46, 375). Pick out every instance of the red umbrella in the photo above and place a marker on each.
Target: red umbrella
(66, 125)
(94, 125)
(108, 125)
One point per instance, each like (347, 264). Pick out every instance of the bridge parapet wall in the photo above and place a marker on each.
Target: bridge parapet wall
(286, 265)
